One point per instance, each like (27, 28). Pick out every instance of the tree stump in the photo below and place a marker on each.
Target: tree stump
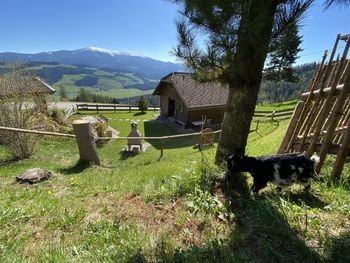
(86, 142)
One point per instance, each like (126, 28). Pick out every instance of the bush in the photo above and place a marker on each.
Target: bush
(57, 116)
(17, 111)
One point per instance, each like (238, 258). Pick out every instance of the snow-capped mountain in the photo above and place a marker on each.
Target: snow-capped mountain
(125, 61)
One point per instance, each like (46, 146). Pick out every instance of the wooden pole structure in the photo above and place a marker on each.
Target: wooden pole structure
(334, 118)
(327, 105)
(86, 142)
(341, 156)
(291, 128)
(304, 111)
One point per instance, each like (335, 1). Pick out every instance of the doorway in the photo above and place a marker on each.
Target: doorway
(171, 108)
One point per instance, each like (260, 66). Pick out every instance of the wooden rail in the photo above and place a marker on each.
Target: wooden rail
(273, 116)
(100, 138)
(160, 138)
(109, 107)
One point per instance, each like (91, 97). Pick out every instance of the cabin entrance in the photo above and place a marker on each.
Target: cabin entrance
(171, 108)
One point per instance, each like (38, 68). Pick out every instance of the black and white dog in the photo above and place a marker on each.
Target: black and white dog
(280, 169)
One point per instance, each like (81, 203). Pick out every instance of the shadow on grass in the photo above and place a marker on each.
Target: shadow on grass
(7, 162)
(261, 234)
(339, 249)
(307, 198)
(75, 169)
(126, 155)
(155, 129)
(139, 113)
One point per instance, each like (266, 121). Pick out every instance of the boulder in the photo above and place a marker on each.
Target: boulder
(34, 175)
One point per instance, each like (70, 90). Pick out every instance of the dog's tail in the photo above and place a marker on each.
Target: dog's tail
(315, 159)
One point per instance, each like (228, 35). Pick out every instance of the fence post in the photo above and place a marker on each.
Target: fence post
(86, 142)
(97, 108)
(161, 148)
(115, 108)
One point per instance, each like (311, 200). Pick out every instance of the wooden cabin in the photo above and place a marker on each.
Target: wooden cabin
(187, 101)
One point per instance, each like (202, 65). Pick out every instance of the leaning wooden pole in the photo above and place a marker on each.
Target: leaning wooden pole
(337, 108)
(304, 111)
(86, 142)
(327, 105)
(341, 156)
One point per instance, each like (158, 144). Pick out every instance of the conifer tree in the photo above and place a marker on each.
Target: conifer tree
(142, 104)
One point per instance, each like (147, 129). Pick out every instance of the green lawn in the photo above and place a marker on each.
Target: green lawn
(145, 209)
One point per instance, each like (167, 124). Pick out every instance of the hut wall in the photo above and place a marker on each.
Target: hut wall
(168, 92)
(215, 114)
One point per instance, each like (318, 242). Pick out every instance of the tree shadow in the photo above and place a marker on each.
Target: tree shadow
(260, 233)
(339, 249)
(139, 113)
(9, 161)
(79, 167)
(305, 197)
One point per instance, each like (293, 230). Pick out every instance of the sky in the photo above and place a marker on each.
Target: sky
(146, 27)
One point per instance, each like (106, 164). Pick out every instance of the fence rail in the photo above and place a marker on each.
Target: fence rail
(161, 139)
(273, 116)
(109, 107)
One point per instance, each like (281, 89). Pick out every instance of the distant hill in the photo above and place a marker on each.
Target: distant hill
(112, 73)
(271, 92)
(125, 74)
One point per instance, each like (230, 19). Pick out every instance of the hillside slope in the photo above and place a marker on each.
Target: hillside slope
(112, 73)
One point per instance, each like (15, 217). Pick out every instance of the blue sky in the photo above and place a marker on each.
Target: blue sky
(143, 26)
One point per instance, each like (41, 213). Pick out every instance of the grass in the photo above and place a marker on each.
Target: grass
(142, 209)
(277, 106)
(105, 86)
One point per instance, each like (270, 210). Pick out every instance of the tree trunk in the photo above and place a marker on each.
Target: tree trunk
(236, 123)
(246, 75)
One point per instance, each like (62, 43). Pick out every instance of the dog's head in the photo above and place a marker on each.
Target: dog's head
(234, 162)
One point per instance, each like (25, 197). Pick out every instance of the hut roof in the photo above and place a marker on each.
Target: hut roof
(195, 94)
(28, 86)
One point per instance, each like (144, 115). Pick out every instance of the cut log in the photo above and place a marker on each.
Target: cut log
(86, 142)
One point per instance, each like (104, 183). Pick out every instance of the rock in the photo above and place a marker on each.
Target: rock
(34, 175)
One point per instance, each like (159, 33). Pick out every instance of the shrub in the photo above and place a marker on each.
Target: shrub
(17, 111)
(57, 116)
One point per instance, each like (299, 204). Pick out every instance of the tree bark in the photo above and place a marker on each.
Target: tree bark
(245, 76)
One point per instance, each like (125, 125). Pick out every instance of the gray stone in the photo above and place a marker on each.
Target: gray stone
(34, 175)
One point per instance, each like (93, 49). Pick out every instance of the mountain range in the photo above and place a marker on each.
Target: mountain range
(114, 73)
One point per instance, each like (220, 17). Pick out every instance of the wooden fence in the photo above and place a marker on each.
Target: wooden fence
(110, 107)
(321, 120)
(160, 139)
(274, 116)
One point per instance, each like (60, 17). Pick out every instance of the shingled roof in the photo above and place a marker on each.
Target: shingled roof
(195, 94)
(28, 86)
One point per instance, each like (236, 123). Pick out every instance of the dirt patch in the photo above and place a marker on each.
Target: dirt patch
(170, 218)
